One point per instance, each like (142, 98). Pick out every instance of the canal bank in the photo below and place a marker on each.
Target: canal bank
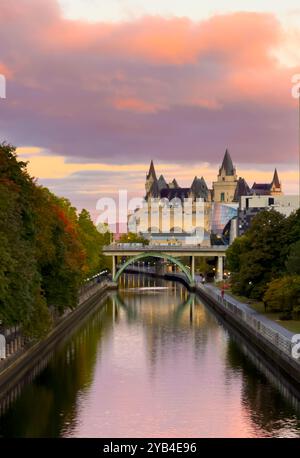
(18, 366)
(271, 339)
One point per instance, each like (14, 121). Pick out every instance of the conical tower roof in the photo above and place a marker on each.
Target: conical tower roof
(162, 184)
(199, 187)
(227, 164)
(151, 171)
(242, 189)
(275, 180)
(173, 184)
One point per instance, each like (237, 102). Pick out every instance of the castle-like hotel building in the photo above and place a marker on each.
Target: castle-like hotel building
(172, 214)
(227, 188)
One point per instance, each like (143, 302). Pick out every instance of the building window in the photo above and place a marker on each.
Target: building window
(222, 196)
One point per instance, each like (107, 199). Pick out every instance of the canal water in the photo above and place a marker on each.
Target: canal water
(150, 361)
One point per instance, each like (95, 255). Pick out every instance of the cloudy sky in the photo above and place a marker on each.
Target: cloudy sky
(96, 88)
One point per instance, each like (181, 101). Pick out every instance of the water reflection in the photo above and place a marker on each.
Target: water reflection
(152, 362)
(260, 399)
(47, 405)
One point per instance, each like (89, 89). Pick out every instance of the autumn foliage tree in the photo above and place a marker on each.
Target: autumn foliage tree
(45, 253)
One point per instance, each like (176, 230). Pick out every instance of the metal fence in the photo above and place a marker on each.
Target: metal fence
(281, 339)
(92, 286)
(11, 340)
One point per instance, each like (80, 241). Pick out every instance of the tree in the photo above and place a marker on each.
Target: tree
(235, 251)
(46, 250)
(293, 260)
(283, 294)
(291, 232)
(131, 237)
(256, 257)
(21, 298)
(93, 242)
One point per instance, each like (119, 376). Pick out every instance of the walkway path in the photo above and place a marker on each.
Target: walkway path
(249, 310)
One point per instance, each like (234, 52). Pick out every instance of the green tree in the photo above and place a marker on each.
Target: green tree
(291, 232)
(293, 260)
(283, 294)
(93, 242)
(257, 257)
(131, 237)
(234, 253)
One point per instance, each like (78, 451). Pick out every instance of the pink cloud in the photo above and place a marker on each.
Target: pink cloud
(171, 89)
(4, 70)
(176, 41)
(136, 105)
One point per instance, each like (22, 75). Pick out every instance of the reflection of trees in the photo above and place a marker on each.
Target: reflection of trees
(51, 397)
(264, 402)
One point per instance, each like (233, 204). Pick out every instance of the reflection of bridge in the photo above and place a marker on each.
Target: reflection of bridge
(136, 252)
(177, 313)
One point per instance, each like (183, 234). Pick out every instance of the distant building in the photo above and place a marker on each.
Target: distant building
(265, 189)
(250, 206)
(159, 188)
(225, 186)
(151, 180)
(242, 189)
(223, 203)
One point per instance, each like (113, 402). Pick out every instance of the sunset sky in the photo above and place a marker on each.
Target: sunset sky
(97, 88)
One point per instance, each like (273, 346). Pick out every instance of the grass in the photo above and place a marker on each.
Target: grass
(291, 325)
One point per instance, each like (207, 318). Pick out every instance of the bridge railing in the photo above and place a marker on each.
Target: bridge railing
(138, 246)
(92, 285)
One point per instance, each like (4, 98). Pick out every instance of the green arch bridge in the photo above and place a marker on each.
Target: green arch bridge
(169, 258)
(136, 252)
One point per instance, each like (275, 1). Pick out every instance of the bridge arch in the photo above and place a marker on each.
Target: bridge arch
(155, 255)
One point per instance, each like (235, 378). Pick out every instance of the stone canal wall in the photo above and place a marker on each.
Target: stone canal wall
(17, 365)
(270, 338)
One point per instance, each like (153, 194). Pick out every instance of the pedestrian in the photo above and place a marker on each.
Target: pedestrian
(222, 292)
(265, 306)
